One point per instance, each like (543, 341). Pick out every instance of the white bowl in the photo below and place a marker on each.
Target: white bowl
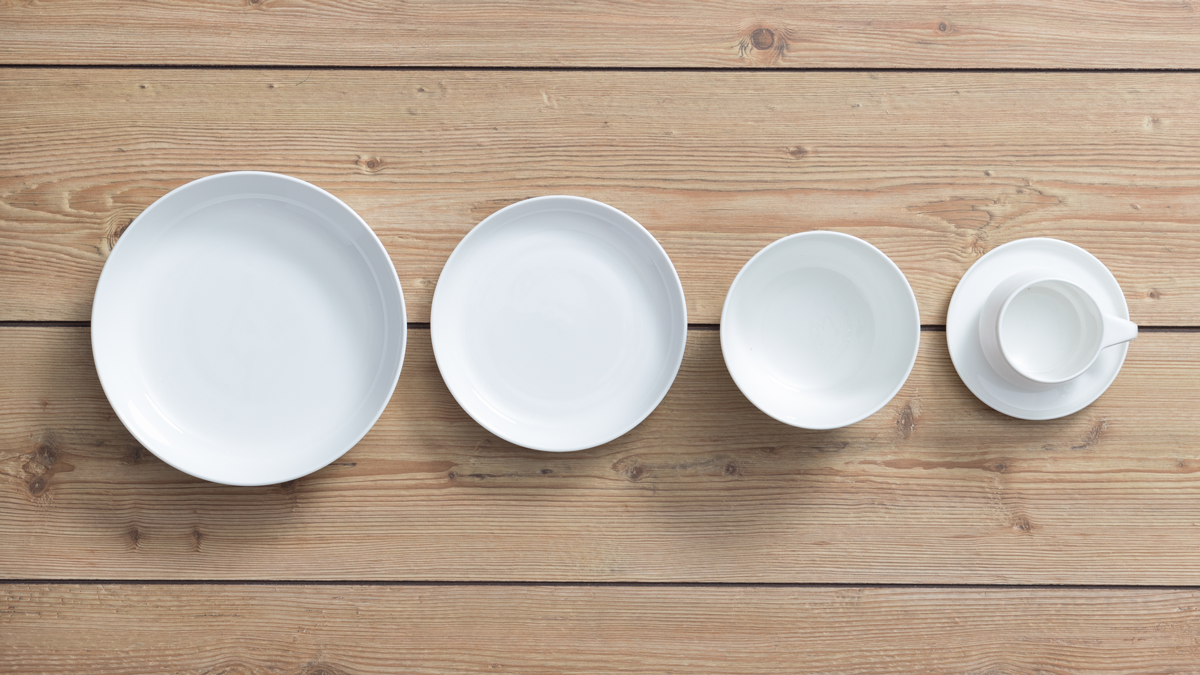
(248, 328)
(559, 323)
(820, 330)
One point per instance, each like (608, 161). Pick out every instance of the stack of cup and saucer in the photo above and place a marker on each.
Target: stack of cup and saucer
(1038, 328)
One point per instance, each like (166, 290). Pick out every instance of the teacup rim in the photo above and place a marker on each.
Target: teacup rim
(1044, 277)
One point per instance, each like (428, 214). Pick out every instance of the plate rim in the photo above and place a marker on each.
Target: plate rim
(656, 248)
(916, 307)
(147, 215)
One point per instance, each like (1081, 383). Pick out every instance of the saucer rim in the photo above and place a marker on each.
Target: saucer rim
(962, 305)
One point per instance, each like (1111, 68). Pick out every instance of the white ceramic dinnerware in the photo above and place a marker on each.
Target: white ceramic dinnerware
(559, 323)
(820, 330)
(1039, 331)
(248, 328)
(1038, 328)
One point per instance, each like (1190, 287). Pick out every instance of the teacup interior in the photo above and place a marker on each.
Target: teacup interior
(820, 330)
(1050, 331)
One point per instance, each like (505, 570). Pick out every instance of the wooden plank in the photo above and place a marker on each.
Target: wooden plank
(607, 33)
(934, 168)
(935, 488)
(340, 630)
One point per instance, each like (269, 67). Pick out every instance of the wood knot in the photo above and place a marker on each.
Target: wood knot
(797, 151)
(763, 46)
(1021, 523)
(116, 226)
(46, 454)
(370, 164)
(763, 39)
(943, 27)
(37, 486)
(906, 420)
(1153, 294)
(630, 467)
(1093, 436)
(43, 463)
(732, 469)
(135, 455)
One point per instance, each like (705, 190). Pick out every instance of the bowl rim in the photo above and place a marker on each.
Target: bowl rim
(879, 257)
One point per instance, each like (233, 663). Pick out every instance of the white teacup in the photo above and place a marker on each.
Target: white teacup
(1039, 331)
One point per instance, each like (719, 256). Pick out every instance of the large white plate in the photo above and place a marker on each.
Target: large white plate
(559, 323)
(248, 328)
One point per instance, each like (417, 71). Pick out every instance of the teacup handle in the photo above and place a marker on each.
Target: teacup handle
(1117, 330)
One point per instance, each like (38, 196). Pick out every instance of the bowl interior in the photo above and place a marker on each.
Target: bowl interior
(820, 330)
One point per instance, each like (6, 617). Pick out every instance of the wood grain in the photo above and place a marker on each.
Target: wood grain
(607, 33)
(344, 630)
(935, 488)
(934, 168)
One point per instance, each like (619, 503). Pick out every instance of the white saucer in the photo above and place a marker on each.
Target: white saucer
(962, 327)
(559, 323)
(248, 328)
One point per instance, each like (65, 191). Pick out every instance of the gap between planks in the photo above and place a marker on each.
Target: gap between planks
(434, 583)
(575, 69)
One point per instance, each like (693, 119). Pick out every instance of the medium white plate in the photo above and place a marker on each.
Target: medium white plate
(820, 329)
(962, 327)
(248, 328)
(559, 323)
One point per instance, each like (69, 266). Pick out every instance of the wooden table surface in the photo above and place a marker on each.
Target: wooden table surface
(935, 536)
